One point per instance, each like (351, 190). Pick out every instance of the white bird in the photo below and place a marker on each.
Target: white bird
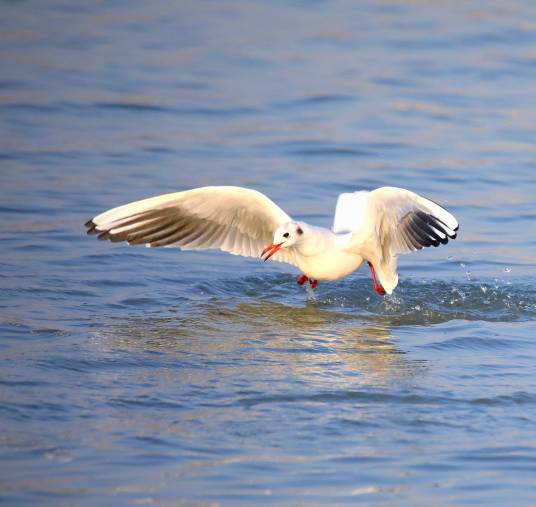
(375, 227)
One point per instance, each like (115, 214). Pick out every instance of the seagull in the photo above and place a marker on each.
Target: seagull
(369, 226)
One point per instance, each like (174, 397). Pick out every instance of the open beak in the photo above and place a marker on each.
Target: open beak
(270, 250)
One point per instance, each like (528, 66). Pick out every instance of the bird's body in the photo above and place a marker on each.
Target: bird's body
(325, 255)
(374, 226)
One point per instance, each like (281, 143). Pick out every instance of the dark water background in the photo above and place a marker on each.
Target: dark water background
(133, 377)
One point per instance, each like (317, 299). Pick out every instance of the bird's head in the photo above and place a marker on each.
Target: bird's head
(286, 235)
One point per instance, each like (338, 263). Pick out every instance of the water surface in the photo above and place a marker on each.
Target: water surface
(132, 376)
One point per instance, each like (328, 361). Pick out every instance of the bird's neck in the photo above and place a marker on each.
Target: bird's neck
(316, 240)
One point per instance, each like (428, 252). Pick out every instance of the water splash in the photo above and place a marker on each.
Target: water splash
(414, 302)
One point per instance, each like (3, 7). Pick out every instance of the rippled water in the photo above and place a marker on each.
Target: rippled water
(131, 376)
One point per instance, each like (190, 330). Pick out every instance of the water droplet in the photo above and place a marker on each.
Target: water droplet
(507, 269)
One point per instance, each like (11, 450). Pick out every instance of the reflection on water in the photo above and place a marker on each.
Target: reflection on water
(306, 341)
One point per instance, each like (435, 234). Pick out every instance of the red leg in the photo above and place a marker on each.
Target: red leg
(313, 283)
(377, 287)
(301, 279)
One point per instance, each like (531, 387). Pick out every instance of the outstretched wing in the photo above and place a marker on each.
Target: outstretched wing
(404, 221)
(237, 220)
(396, 221)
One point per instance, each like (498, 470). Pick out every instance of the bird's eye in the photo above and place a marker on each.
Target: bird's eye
(299, 230)
(286, 235)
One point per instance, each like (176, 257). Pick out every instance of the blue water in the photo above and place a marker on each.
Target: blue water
(131, 376)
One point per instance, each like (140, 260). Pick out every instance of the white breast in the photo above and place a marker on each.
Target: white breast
(327, 256)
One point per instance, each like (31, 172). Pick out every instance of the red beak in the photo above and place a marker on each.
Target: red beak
(270, 250)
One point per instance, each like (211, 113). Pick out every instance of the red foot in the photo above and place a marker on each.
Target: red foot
(378, 288)
(301, 279)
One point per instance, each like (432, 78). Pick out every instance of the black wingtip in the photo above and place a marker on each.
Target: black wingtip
(91, 227)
